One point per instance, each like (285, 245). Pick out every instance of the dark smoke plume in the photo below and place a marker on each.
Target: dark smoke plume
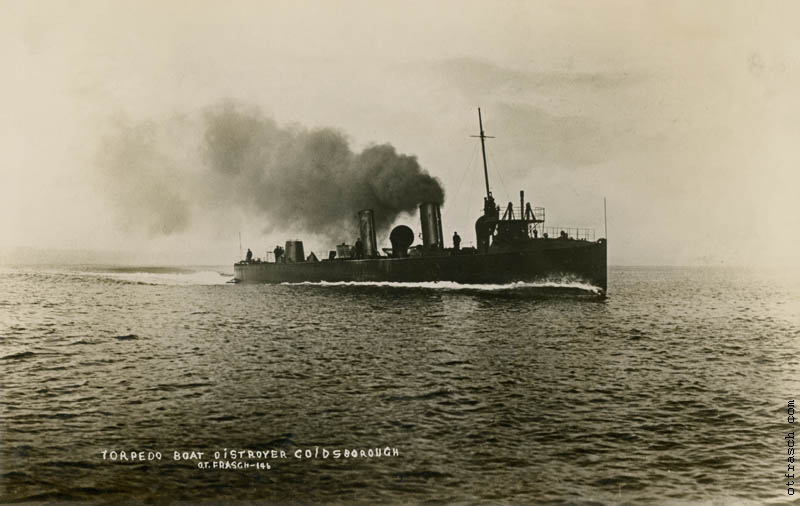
(311, 180)
(298, 179)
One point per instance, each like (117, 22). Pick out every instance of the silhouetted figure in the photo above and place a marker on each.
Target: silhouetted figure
(456, 241)
(249, 256)
(535, 233)
(278, 254)
(359, 249)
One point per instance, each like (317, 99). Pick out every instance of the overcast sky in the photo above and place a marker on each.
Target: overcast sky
(685, 115)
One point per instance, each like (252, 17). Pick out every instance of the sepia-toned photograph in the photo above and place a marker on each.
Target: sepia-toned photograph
(374, 252)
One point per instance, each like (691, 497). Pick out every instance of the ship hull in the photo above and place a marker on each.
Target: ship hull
(543, 260)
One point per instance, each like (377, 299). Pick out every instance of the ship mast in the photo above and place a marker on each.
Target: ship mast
(483, 150)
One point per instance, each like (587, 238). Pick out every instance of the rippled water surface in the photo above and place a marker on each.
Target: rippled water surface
(674, 390)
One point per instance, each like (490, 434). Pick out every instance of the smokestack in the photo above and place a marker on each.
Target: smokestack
(366, 221)
(294, 252)
(431, 219)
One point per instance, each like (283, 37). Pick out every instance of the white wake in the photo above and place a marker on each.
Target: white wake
(452, 285)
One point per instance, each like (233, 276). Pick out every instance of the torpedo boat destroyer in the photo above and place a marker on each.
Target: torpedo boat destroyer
(512, 247)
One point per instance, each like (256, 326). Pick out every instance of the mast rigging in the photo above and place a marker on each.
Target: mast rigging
(483, 150)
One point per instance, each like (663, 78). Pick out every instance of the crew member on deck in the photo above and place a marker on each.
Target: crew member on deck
(249, 256)
(456, 241)
(359, 248)
(278, 254)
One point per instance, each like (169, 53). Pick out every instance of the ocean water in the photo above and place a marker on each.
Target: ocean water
(674, 390)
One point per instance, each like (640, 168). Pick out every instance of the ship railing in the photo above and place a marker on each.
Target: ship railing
(538, 213)
(583, 234)
(519, 212)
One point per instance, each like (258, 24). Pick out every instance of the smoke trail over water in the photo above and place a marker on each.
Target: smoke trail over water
(164, 177)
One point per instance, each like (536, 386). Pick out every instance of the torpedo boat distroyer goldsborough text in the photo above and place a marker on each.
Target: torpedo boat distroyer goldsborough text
(513, 246)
